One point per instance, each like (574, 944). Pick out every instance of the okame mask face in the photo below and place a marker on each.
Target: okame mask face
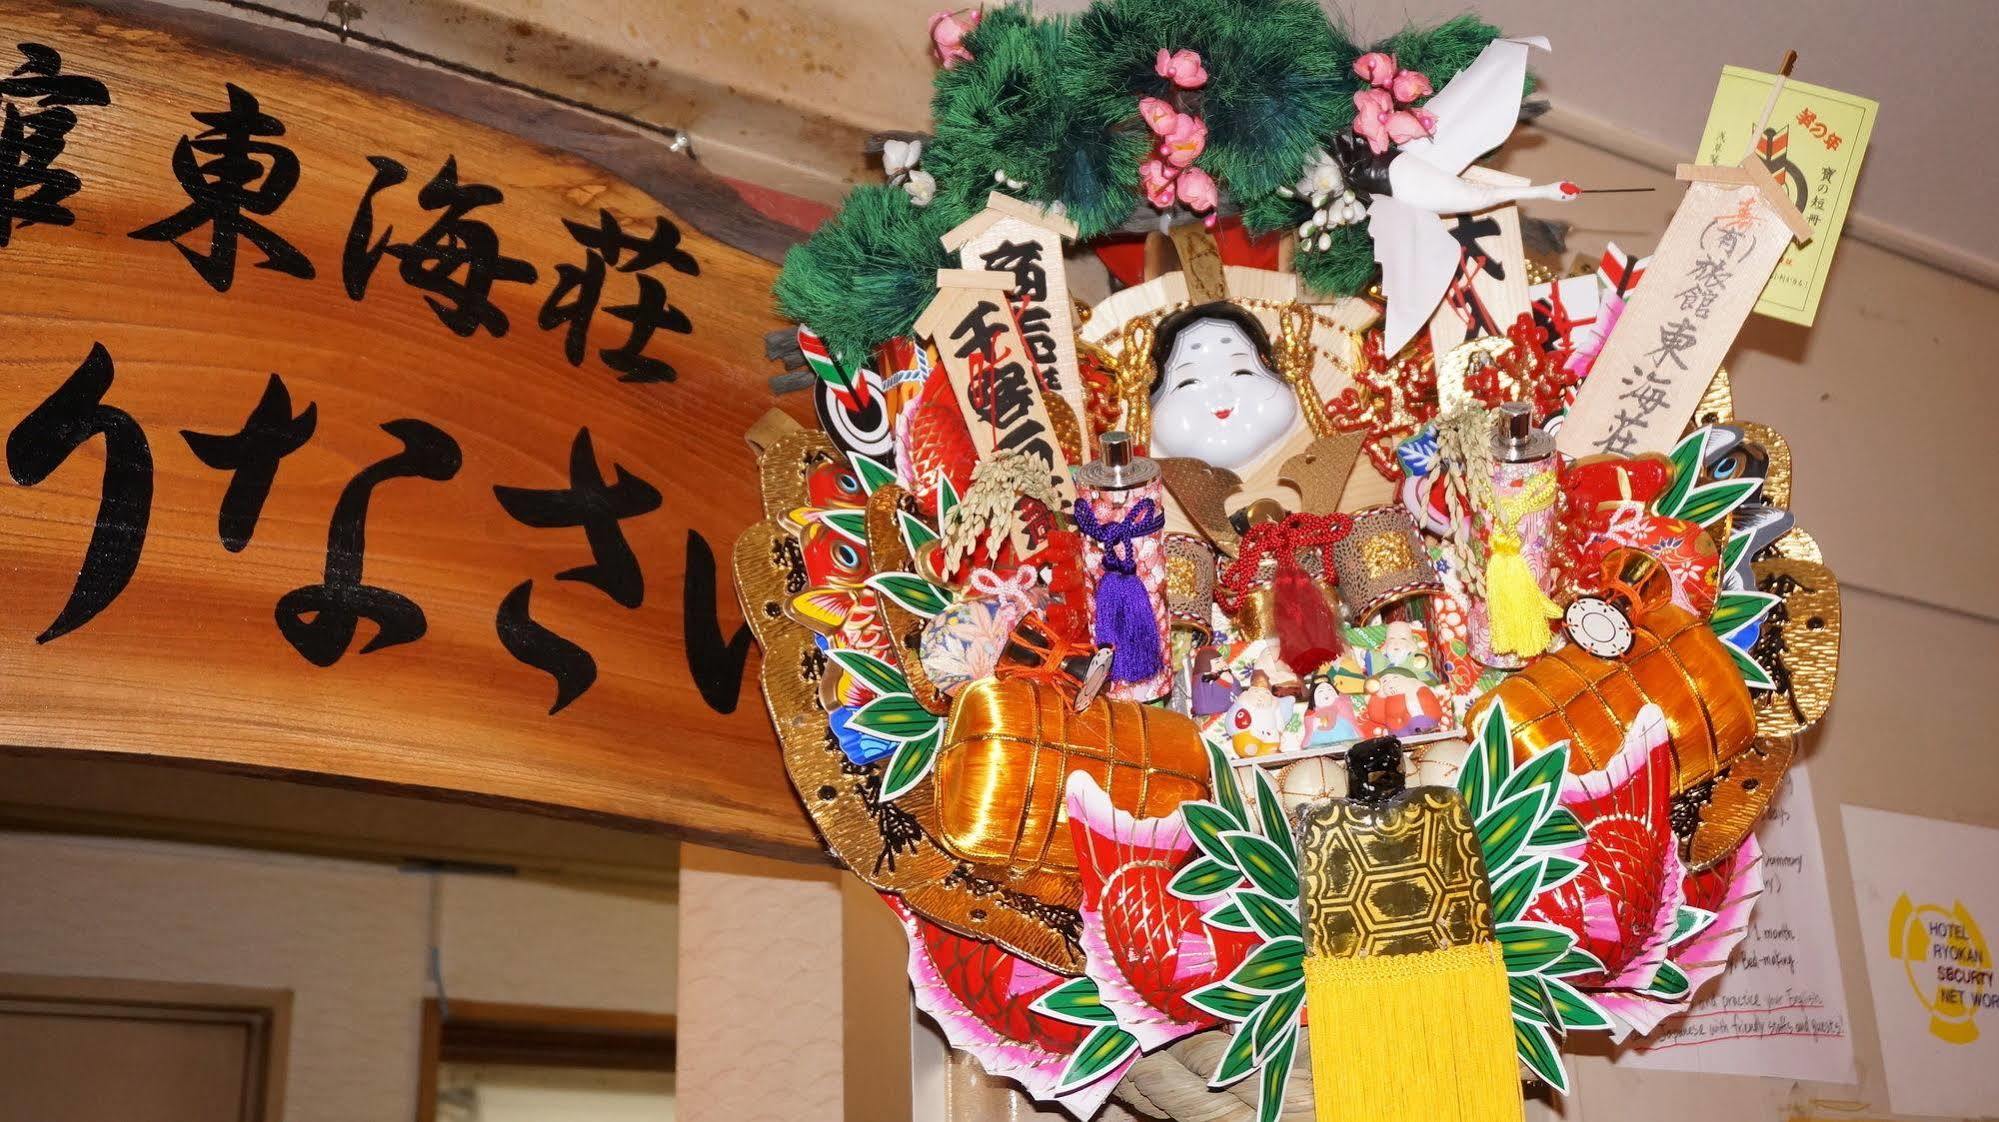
(1217, 400)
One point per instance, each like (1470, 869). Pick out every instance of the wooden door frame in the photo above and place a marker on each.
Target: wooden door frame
(538, 1035)
(264, 1014)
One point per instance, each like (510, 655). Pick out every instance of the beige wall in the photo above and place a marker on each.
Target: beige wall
(348, 939)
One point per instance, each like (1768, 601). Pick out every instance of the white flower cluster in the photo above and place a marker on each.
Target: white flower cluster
(1333, 204)
(899, 160)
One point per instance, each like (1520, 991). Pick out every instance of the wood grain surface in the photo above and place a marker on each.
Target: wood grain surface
(187, 660)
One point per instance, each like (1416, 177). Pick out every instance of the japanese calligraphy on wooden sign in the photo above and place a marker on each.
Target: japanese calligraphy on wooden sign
(1812, 145)
(1489, 291)
(990, 365)
(1726, 237)
(1010, 236)
(344, 437)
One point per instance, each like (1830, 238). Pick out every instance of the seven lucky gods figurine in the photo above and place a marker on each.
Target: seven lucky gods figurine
(1144, 654)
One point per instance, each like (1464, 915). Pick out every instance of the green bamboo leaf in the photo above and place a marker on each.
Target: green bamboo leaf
(850, 524)
(1530, 1001)
(1488, 763)
(1270, 809)
(910, 765)
(1238, 1061)
(1559, 830)
(1228, 917)
(1669, 984)
(1531, 947)
(1273, 967)
(1264, 864)
(1204, 879)
(873, 473)
(1732, 552)
(1227, 795)
(1270, 918)
(915, 532)
(1686, 457)
(872, 672)
(1558, 870)
(1753, 675)
(1710, 502)
(1513, 891)
(1076, 1001)
(1543, 770)
(1537, 1051)
(1279, 1016)
(911, 592)
(1576, 1009)
(895, 716)
(1577, 961)
(1737, 610)
(1099, 1054)
(1207, 822)
(1503, 832)
(947, 495)
(1688, 922)
(1276, 1079)
(1227, 1002)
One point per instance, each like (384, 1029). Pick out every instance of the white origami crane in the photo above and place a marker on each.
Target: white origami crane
(1476, 112)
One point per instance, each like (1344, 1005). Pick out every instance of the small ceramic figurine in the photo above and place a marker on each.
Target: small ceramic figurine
(1331, 718)
(1400, 703)
(1214, 683)
(1256, 720)
(1217, 397)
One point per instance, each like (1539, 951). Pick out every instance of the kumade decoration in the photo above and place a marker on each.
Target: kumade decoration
(1251, 705)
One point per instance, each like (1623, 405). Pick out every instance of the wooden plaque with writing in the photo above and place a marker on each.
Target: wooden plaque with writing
(345, 438)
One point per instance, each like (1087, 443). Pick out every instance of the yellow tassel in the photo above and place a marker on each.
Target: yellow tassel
(1519, 610)
(1424, 1037)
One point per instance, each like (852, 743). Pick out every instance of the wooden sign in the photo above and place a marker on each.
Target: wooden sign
(1010, 236)
(349, 439)
(1489, 291)
(1730, 231)
(987, 361)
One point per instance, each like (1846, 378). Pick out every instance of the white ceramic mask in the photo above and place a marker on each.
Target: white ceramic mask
(1217, 401)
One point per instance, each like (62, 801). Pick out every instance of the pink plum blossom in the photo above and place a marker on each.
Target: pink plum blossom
(1155, 178)
(1185, 141)
(1405, 125)
(1158, 115)
(1408, 85)
(1197, 189)
(1372, 108)
(1182, 68)
(947, 35)
(1375, 68)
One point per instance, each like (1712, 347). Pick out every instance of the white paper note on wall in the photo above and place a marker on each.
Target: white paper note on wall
(1780, 1008)
(1928, 893)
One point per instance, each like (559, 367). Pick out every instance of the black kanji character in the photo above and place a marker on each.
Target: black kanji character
(579, 288)
(319, 620)
(1023, 260)
(715, 663)
(252, 452)
(598, 507)
(221, 192)
(978, 330)
(431, 263)
(41, 443)
(31, 187)
(572, 667)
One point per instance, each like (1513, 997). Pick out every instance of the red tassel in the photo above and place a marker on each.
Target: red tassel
(1308, 630)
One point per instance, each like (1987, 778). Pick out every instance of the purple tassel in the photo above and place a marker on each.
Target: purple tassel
(1123, 607)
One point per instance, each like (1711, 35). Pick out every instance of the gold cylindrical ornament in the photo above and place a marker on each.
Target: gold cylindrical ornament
(1009, 749)
(1382, 561)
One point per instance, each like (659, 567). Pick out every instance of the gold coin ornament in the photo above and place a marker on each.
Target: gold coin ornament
(1103, 660)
